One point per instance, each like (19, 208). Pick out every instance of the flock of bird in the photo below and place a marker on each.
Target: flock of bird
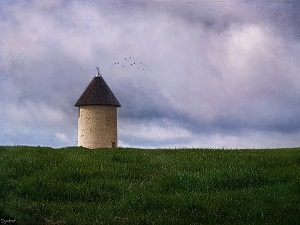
(129, 62)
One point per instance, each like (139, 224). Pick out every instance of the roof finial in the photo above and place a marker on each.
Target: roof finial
(98, 75)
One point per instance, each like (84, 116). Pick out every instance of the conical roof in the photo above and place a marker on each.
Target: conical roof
(97, 93)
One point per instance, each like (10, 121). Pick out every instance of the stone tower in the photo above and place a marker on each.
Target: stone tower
(97, 115)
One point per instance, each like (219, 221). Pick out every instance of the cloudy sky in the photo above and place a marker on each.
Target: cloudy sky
(218, 73)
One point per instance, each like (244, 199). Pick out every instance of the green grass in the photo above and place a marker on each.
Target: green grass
(134, 186)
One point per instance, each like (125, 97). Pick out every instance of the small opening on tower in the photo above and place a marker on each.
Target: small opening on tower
(113, 144)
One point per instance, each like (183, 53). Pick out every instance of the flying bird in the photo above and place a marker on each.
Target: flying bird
(132, 63)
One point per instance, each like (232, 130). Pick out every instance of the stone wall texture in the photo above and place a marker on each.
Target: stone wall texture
(97, 126)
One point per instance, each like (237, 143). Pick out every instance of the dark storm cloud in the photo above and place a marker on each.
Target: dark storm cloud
(216, 73)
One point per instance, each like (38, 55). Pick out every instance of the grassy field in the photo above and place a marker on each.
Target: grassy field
(135, 186)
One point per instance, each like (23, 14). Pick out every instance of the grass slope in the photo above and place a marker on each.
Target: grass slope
(135, 186)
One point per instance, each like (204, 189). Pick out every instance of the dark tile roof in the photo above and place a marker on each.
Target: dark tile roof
(97, 93)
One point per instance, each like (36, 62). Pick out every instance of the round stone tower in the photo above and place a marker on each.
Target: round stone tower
(97, 116)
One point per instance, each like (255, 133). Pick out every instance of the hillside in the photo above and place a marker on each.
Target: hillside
(73, 185)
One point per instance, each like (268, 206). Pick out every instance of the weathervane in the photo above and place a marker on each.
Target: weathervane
(98, 75)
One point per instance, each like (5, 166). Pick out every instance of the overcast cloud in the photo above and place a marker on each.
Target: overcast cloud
(213, 73)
